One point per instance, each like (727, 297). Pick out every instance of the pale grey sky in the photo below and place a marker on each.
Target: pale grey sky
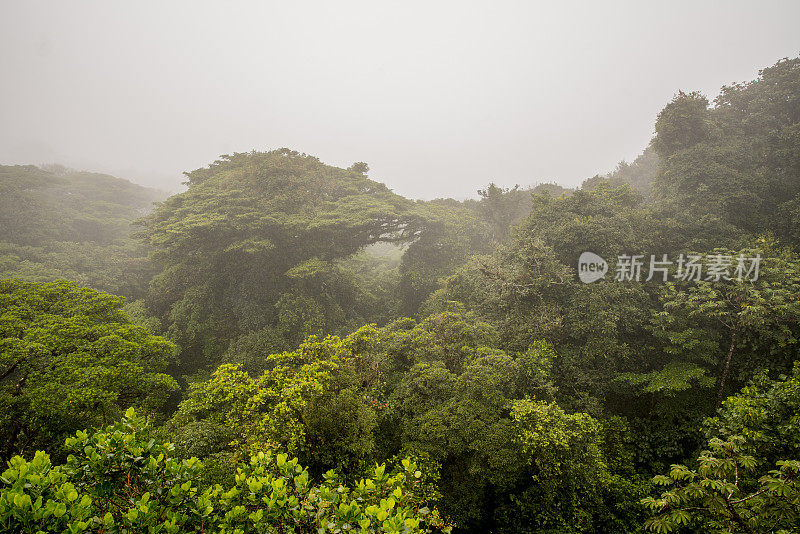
(438, 97)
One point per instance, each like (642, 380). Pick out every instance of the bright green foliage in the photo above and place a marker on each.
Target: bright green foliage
(59, 223)
(519, 399)
(35, 496)
(713, 498)
(674, 377)
(439, 390)
(70, 358)
(120, 480)
(572, 483)
(302, 403)
(767, 414)
(549, 436)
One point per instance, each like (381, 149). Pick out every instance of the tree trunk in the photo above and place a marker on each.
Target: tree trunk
(725, 370)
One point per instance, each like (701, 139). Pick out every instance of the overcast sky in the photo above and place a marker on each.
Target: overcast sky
(438, 97)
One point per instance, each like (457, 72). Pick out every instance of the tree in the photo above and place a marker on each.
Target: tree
(681, 124)
(453, 231)
(736, 161)
(359, 167)
(64, 224)
(707, 323)
(712, 496)
(575, 473)
(527, 289)
(503, 208)
(748, 479)
(639, 174)
(303, 403)
(444, 390)
(253, 246)
(70, 359)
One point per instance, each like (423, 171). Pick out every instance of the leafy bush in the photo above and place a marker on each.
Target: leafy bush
(119, 479)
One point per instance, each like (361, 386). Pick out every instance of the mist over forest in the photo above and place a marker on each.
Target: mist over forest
(286, 340)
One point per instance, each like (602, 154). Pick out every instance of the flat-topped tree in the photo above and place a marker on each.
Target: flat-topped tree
(251, 245)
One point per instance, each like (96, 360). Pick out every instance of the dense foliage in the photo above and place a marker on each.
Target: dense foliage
(316, 315)
(58, 223)
(119, 479)
(739, 159)
(250, 251)
(70, 359)
(749, 478)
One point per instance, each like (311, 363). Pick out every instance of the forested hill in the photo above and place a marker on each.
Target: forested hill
(349, 360)
(60, 223)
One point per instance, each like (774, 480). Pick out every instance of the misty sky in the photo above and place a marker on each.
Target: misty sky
(438, 97)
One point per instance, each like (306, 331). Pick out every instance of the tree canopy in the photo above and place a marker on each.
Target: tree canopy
(311, 352)
(71, 358)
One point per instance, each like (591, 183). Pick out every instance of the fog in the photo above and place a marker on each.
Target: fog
(438, 97)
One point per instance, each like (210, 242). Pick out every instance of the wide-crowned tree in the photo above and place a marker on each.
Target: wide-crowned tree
(250, 248)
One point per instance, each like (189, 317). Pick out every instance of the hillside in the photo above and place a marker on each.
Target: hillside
(59, 223)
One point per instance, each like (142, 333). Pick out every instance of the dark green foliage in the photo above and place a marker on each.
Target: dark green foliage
(661, 355)
(518, 398)
(454, 231)
(737, 160)
(445, 389)
(730, 329)
(683, 123)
